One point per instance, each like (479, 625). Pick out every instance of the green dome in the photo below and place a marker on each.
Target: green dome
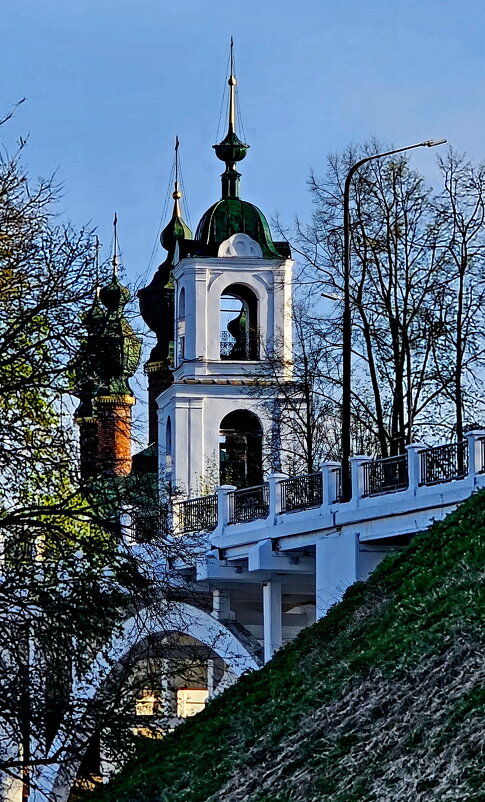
(114, 296)
(234, 216)
(231, 149)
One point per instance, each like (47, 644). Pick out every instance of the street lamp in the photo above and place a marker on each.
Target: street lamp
(346, 486)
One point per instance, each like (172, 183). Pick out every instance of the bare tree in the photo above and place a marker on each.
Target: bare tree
(406, 248)
(69, 574)
(459, 350)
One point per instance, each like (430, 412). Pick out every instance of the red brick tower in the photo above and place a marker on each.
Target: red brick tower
(108, 356)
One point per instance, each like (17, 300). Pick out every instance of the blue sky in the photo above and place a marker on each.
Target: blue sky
(110, 83)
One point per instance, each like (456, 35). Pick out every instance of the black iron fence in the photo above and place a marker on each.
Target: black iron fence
(444, 463)
(198, 514)
(249, 504)
(300, 492)
(385, 475)
(150, 525)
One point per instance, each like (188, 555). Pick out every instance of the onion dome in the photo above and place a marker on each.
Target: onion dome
(231, 215)
(156, 299)
(118, 347)
(84, 364)
(234, 216)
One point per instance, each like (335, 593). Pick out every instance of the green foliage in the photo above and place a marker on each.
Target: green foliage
(412, 632)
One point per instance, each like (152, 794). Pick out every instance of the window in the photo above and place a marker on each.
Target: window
(168, 447)
(181, 326)
(238, 323)
(241, 449)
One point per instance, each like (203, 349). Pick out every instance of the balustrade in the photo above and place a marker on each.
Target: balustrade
(444, 463)
(198, 514)
(420, 466)
(385, 475)
(249, 504)
(300, 492)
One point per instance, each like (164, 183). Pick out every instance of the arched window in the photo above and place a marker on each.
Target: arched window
(181, 326)
(241, 449)
(238, 323)
(168, 447)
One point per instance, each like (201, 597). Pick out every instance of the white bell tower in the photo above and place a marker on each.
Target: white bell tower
(232, 299)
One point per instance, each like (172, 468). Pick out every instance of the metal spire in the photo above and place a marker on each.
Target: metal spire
(232, 90)
(115, 260)
(96, 263)
(231, 150)
(176, 195)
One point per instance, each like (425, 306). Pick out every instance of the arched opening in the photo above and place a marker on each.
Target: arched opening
(238, 323)
(168, 447)
(181, 326)
(241, 449)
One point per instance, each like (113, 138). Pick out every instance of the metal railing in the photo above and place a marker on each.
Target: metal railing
(198, 514)
(227, 343)
(300, 492)
(249, 504)
(444, 463)
(150, 525)
(385, 475)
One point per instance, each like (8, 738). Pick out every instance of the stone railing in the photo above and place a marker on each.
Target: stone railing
(419, 469)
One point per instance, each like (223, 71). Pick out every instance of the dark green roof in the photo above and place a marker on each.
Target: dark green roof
(234, 216)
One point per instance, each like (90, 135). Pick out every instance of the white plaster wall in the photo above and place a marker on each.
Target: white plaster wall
(204, 282)
(196, 412)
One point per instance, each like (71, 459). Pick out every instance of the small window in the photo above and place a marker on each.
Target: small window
(191, 701)
(168, 447)
(181, 327)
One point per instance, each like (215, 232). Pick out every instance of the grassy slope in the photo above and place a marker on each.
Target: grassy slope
(380, 700)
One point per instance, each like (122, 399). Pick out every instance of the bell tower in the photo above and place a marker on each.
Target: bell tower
(232, 295)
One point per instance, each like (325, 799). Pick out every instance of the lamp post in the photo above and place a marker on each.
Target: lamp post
(346, 492)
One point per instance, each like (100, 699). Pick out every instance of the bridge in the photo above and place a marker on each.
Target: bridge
(295, 542)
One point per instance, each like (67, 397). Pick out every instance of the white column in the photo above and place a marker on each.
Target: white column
(329, 482)
(223, 504)
(221, 605)
(272, 633)
(336, 568)
(475, 454)
(414, 465)
(274, 482)
(358, 475)
(195, 447)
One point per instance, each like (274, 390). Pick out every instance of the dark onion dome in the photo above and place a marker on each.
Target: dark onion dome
(114, 296)
(93, 318)
(157, 299)
(84, 365)
(119, 349)
(235, 216)
(176, 228)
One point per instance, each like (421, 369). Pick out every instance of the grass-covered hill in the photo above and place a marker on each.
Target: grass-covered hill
(381, 700)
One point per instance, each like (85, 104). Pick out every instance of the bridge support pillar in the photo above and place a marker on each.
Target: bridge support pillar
(336, 568)
(272, 628)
